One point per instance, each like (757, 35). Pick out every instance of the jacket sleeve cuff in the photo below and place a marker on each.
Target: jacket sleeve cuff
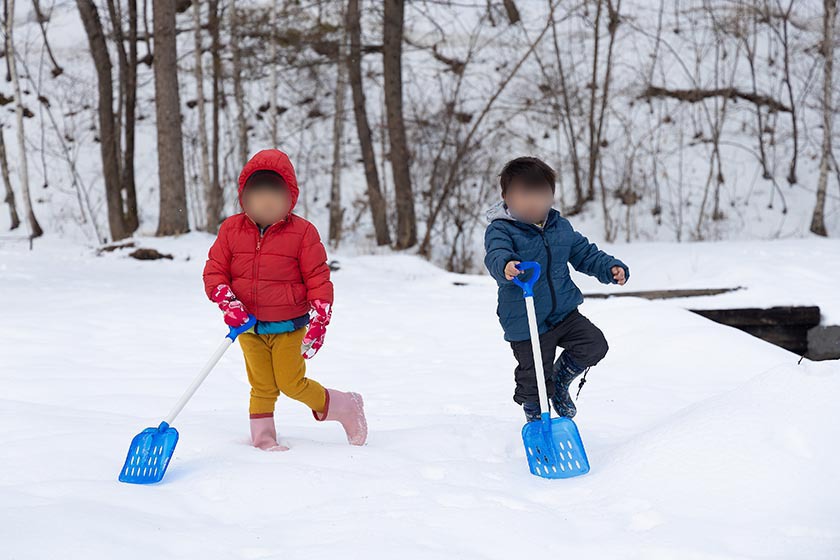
(616, 262)
(500, 273)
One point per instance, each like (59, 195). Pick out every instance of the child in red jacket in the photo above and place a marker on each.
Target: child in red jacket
(271, 263)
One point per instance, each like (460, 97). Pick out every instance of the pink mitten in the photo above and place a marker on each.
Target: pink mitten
(234, 311)
(319, 318)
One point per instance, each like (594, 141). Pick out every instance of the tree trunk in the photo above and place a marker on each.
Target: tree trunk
(354, 64)
(41, 18)
(173, 195)
(569, 122)
(214, 195)
(115, 34)
(336, 211)
(593, 141)
(392, 37)
(272, 61)
(34, 227)
(203, 150)
(612, 26)
(7, 183)
(125, 114)
(238, 94)
(829, 16)
(107, 123)
(132, 219)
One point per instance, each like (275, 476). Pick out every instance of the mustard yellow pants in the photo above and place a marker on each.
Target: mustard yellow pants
(275, 365)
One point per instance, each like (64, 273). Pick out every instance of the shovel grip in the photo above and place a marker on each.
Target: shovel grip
(202, 375)
(528, 286)
(236, 331)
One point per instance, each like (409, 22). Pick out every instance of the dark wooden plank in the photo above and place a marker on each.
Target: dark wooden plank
(795, 340)
(807, 316)
(777, 332)
(666, 294)
(784, 326)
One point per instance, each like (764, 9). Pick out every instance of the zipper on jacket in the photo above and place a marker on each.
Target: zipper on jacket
(260, 235)
(548, 273)
(541, 231)
(256, 268)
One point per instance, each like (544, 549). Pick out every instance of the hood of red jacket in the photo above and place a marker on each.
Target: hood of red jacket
(271, 160)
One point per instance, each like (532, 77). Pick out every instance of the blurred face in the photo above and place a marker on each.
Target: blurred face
(266, 205)
(529, 203)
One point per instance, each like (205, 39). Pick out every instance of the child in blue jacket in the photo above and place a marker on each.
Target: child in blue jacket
(524, 227)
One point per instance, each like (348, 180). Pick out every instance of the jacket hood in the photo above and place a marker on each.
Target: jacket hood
(271, 160)
(499, 211)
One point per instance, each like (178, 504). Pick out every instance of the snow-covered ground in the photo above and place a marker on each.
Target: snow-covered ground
(781, 272)
(704, 441)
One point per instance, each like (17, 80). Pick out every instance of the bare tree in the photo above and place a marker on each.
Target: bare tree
(7, 183)
(392, 39)
(643, 112)
(238, 94)
(201, 132)
(272, 92)
(173, 196)
(354, 62)
(827, 51)
(214, 195)
(64, 138)
(568, 120)
(466, 145)
(132, 219)
(336, 210)
(57, 70)
(124, 118)
(597, 111)
(716, 118)
(107, 122)
(783, 35)
(23, 166)
(613, 13)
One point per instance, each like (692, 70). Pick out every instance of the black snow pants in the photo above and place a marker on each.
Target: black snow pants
(582, 341)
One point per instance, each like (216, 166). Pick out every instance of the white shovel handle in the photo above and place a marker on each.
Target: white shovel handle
(528, 292)
(208, 367)
(535, 348)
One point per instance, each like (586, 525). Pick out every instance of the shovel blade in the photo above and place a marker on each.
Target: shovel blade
(149, 454)
(554, 448)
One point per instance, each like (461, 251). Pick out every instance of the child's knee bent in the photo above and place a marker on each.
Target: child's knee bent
(592, 351)
(599, 347)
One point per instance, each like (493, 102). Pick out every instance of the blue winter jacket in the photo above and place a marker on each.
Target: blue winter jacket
(554, 246)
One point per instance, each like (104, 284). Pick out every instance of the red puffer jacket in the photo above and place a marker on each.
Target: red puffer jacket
(275, 274)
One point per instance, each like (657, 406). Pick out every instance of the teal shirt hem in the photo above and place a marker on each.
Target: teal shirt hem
(278, 327)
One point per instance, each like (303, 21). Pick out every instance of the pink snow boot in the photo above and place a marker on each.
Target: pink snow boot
(347, 409)
(264, 434)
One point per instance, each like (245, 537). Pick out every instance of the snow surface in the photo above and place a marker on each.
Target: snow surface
(781, 272)
(704, 441)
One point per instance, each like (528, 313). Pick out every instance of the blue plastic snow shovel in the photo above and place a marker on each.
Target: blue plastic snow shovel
(151, 449)
(552, 445)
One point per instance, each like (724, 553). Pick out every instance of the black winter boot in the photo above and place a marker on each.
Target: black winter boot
(532, 411)
(565, 372)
